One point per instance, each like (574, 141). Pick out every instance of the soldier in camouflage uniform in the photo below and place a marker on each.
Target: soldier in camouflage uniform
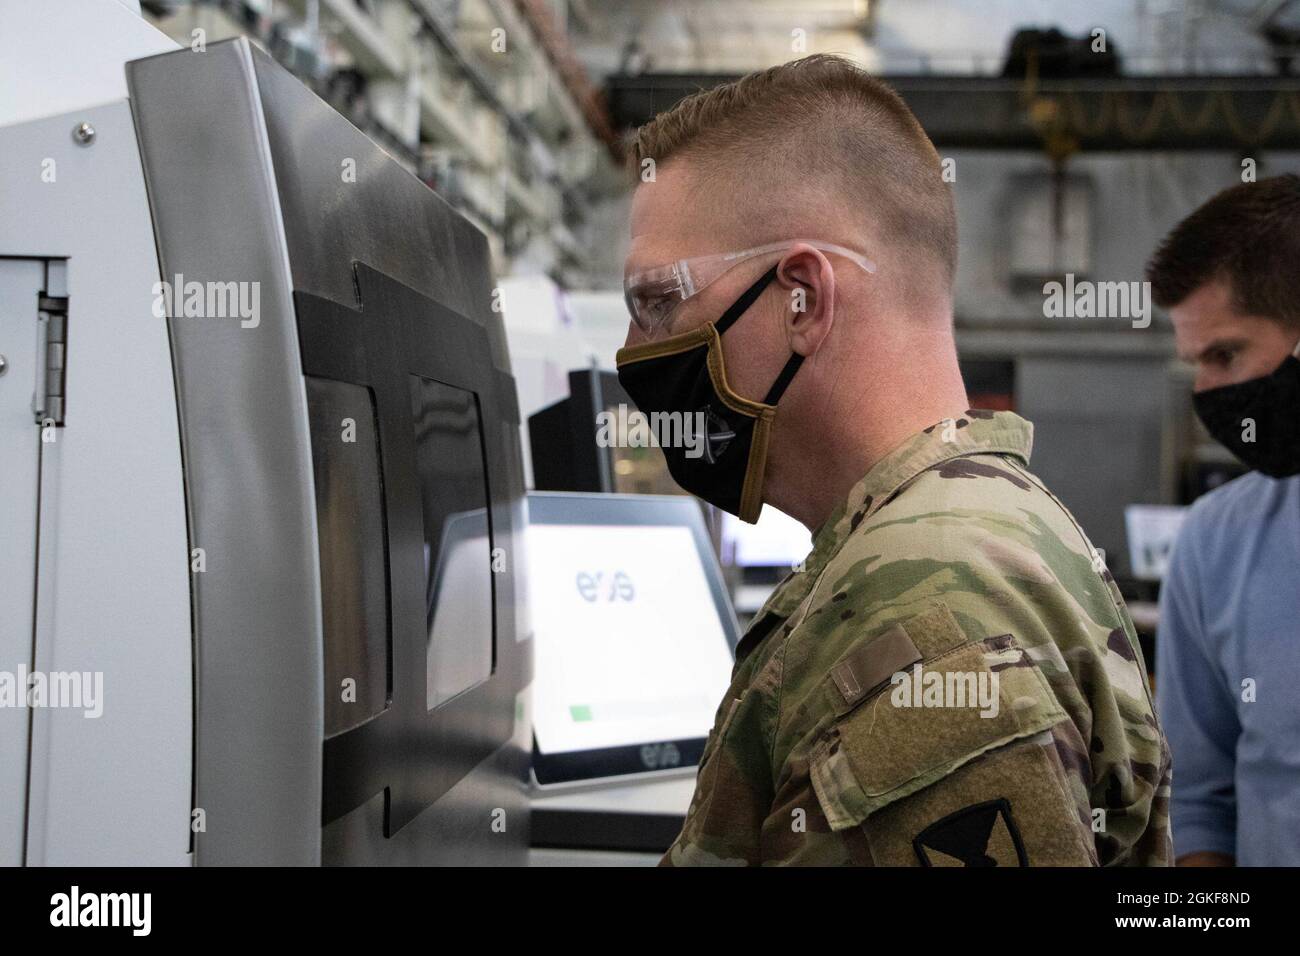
(950, 554)
(952, 678)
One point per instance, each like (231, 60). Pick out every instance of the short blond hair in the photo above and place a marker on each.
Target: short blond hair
(822, 129)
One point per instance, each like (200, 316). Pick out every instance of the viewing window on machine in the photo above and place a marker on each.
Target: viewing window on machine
(457, 538)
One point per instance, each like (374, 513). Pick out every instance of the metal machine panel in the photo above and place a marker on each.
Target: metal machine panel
(364, 280)
(83, 66)
(111, 566)
(21, 281)
(248, 474)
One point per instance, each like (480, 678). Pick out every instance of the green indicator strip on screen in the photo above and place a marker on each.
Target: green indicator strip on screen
(580, 712)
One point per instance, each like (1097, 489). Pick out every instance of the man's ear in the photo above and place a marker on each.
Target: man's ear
(808, 279)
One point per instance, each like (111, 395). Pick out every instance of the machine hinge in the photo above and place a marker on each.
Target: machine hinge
(51, 359)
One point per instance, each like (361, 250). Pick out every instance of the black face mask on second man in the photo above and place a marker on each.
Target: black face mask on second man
(1258, 420)
(685, 374)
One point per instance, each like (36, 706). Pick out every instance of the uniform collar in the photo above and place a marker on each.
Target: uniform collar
(977, 432)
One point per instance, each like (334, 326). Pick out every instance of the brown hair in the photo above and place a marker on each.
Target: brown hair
(822, 132)
(1248, 235)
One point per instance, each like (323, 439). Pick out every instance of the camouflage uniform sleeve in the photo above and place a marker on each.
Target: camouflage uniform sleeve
(948, 752)
(1061, 761)
(733, 786)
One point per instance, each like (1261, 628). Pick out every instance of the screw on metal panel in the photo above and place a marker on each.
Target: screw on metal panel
(84, 134)
(4, 365)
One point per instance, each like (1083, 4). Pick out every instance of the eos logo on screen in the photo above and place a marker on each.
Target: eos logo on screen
(597, 586)
(659, 756)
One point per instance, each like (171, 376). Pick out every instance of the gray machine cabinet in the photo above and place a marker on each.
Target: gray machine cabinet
(374, 320)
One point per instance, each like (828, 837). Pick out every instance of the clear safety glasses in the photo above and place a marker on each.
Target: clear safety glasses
(652, 295)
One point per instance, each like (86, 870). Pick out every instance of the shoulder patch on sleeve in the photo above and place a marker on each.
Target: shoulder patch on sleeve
(982, 834)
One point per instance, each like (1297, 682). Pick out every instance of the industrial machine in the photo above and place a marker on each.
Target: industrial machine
(262, 478)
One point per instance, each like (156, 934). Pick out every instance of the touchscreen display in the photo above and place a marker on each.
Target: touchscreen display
(630, 647)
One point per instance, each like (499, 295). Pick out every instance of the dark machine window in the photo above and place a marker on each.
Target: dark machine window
(350, 526)
(457, 538)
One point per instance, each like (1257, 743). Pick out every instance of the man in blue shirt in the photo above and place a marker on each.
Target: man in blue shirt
(1228, 645)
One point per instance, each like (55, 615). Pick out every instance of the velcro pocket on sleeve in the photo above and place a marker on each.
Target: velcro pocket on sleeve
(953, 701)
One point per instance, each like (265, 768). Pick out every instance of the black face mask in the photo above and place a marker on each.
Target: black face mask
(1258, 420)
(685, 374)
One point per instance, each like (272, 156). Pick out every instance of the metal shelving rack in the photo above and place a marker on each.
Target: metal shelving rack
(482, 99)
